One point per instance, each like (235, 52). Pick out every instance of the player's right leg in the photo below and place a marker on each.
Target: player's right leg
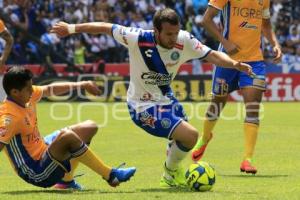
(224, 81)
(183, 138)
(69, 145)
(212, 114)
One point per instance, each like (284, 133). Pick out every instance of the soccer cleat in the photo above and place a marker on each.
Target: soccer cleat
(247, 167)
(63, 185)
(119, 175)
(174, 178)
(198, 150)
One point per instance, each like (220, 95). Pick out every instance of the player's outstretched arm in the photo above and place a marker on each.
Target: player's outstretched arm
(63, 29)
(64, 87)
(221, 59)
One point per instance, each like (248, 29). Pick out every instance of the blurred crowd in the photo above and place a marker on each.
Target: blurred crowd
(30, 21)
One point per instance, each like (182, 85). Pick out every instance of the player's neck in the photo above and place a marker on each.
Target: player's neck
(16, 101)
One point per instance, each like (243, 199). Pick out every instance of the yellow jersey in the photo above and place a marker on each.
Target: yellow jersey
(242, 25)
(19, 129)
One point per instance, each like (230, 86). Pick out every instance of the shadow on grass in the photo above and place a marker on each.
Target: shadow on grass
(253, 176)
(67, 192)
(167, 190)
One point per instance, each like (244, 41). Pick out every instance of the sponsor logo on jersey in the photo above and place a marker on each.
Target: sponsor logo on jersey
(175, 55)
(154, 78)
(149, 53)
(247, 25)
(249, 13)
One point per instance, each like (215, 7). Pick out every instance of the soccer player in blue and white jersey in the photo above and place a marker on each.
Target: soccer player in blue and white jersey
(155, 57)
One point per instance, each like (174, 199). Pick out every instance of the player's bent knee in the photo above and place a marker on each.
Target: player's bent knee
(70, 137)
(91, 127)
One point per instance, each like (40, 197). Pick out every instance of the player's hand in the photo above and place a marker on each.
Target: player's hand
(278, 54)
(60, 29)
(91, 87)
(230, 47)
(243, 67)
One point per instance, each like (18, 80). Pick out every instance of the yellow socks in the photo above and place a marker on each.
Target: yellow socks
(208, 126)
(92, 161)
(251, 131)
(70, 176)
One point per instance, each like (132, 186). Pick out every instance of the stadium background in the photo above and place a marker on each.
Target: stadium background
(49, 56)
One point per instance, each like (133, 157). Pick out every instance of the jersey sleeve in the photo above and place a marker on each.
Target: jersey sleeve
(266, 10)
(8, 128)
(194, 48)
(2, 26)
(218, 4)
(126, 36)
(36, 94)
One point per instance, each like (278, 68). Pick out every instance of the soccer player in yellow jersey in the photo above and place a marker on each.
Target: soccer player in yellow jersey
(46, 162)
(244, 23)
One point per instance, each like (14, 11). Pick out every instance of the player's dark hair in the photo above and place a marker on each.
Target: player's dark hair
(16, 78)
(165, 15)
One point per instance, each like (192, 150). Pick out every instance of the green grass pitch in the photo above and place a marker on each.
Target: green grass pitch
(277, 155)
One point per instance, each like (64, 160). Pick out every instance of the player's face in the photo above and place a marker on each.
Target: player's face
(167, 37)
(23, 96)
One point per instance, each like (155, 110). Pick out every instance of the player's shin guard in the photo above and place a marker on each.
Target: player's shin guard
(91, 160)
(176, 153)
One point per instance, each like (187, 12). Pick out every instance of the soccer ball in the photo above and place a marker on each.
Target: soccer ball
(200, 176)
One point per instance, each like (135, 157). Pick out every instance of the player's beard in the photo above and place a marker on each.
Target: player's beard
(2, 92)
(163, 45)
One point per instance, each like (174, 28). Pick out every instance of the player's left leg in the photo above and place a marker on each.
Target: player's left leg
(252, 92)
(182, 140)
(252, 99)
(184, 137)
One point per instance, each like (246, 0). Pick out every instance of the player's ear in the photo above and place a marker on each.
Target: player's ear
(156, 31)
(14, 92)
